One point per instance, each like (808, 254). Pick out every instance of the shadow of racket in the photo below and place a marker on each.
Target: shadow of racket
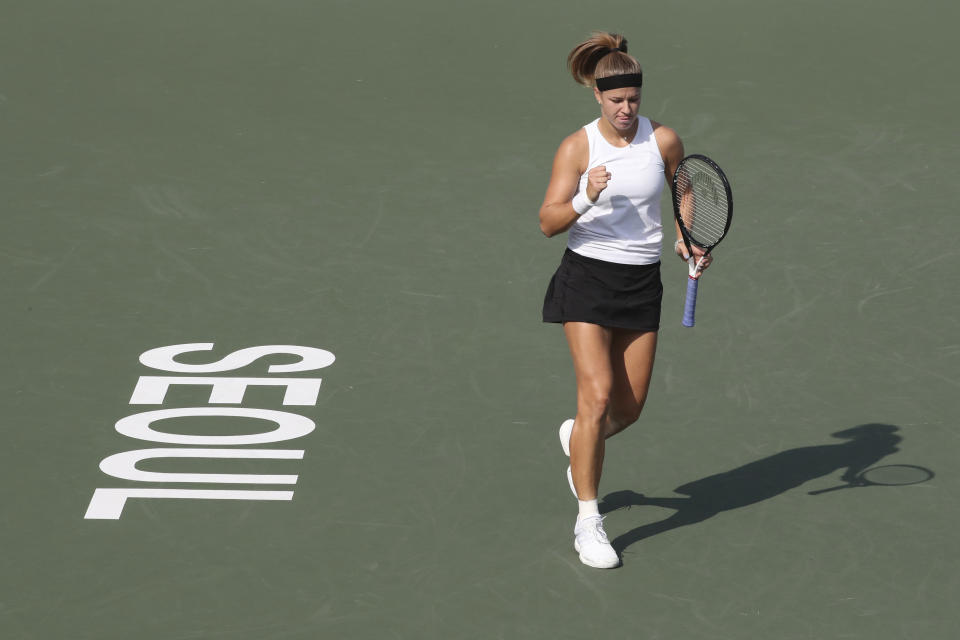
(888, 475)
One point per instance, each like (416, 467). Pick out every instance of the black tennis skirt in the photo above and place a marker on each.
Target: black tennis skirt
(609, 294)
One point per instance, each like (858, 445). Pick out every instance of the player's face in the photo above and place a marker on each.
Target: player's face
(619, 106)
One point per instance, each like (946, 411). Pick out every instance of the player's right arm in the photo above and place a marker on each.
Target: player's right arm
(557, 213)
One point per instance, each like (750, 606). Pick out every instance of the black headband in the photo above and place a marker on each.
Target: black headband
(619, 82)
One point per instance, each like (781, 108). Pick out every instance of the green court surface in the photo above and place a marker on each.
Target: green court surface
(363, 178)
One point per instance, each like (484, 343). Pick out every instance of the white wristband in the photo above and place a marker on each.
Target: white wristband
(581, 204)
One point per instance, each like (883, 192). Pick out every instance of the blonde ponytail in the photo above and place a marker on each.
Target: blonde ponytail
(602, 56)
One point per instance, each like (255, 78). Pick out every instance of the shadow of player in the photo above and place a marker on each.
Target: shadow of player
(864, 446)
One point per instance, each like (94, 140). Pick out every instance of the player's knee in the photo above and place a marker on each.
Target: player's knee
(622, 417)
(630, 416)
(619, 422)
(593, 406)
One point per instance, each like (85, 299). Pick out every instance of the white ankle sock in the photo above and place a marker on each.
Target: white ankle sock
(588, 508)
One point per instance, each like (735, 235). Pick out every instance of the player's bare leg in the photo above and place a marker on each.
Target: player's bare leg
(631, 355)
(590, 348)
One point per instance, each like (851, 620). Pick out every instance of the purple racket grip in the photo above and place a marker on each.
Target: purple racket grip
(690, 305)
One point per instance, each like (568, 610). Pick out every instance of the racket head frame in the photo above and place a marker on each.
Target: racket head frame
(685, 234)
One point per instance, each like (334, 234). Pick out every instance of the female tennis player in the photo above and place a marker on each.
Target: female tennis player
(605, 192)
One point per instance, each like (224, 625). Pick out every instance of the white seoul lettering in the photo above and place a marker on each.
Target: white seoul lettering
(311, 358)
(300, 391)
(123, 465)
(108, 503)
(289, 426)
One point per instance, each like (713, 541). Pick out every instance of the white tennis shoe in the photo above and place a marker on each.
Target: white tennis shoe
(565, 430)
(591, 543)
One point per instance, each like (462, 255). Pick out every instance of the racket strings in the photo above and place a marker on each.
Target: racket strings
(704, 205)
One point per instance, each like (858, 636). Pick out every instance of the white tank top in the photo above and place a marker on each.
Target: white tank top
(624, 225)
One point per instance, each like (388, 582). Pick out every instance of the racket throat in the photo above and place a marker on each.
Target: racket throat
(693, 266)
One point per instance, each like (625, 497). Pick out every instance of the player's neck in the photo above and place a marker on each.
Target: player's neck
(617, 137)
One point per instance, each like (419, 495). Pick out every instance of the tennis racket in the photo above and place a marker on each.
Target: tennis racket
(703, 207)
(889, 475)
